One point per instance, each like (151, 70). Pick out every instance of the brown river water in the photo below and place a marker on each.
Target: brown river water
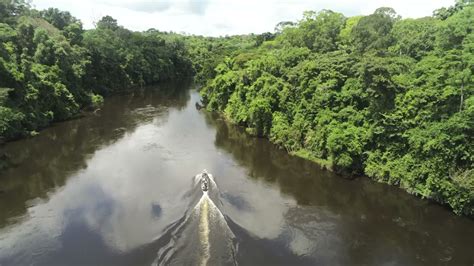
(118, 187)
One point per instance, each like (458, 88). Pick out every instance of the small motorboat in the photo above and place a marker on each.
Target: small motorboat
(204, 182)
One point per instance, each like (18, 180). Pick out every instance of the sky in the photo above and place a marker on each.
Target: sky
(224, 17)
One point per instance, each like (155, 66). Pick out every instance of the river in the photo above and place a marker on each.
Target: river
(119, 187)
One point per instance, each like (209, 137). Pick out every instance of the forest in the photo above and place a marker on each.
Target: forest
(375, 95)
(51, 68)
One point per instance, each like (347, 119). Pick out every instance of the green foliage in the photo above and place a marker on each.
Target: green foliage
(50, 67)
(373, 32)
(11, 9)
(345, 35)
(206, 53)
(57, 18)
(260, 116)
(10, 122)
(318, 31)
(376, 95)
(414, 37)
(96, 100)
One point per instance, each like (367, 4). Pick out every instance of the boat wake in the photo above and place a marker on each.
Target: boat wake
(202, 236)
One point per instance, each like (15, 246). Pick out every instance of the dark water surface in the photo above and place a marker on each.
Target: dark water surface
(117, 188)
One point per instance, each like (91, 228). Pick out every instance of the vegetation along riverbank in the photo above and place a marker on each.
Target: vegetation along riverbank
(378, 95)
(373, 95)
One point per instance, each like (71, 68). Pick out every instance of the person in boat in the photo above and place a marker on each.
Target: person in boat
(204, 182)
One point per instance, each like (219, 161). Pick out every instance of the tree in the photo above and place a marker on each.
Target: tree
(444, 13)
(266, 36)
(373, 31)
(11, 9)
(318, 31)
(59, 19)
(374, 95)
(414, 37)
(107, 22)
(282, 25)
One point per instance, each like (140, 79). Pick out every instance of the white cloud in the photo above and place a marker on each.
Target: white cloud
(144, 6)
(224, 17)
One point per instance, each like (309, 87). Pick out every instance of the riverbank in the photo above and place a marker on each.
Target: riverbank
(95, 104)
(52, 68)
(457, 195)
